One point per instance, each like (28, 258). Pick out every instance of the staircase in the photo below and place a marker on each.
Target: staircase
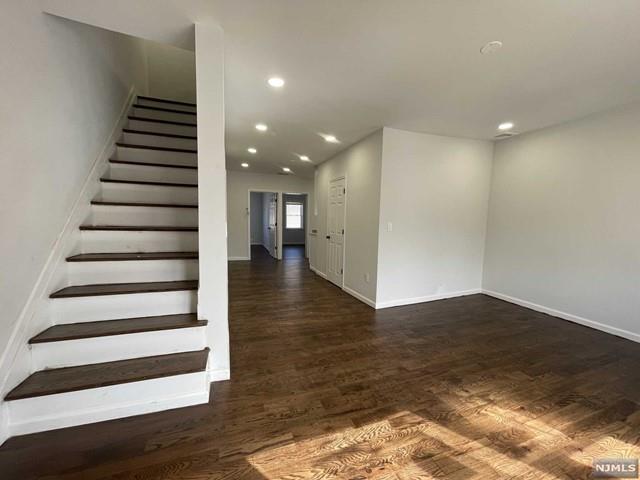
(125, 338)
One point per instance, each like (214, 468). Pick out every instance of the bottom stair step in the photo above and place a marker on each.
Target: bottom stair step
(84, 377)
(76, 331)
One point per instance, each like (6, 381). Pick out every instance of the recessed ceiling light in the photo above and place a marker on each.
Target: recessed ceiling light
(276, 82)
(286, 169)
(244, 165)
(491, 47)
(304, 158)
(262, 127)
(252, 150)
(330, 138)
(505, 126)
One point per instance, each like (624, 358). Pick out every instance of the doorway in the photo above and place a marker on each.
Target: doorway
(263, 221)
(335, 230)
(294, 228)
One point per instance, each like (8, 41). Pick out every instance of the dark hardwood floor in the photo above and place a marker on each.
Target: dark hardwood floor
(325, 387)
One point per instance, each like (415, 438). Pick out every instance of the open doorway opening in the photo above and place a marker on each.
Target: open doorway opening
(294, 231)
(263, 221)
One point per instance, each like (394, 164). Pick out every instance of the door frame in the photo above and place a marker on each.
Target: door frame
(278, 221)
(344, 222)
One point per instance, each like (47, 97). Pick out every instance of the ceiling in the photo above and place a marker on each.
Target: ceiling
(353, 66)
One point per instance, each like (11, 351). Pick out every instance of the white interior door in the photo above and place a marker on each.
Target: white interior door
(273, 225)
(335, 231)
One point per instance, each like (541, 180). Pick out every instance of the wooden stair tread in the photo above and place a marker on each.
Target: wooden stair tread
(152, 164)
(159, 134)
(175, 102)
(124, 288)
(75, 331)
(83, 377)
(144, 182)
(123, 257)
(141, 204)
(155, 147)
(137, 228)
(161, 109)
(167, 122)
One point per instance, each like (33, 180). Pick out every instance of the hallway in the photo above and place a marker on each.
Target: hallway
(325, 387)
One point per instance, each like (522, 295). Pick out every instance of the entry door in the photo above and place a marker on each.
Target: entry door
(335, 231)
(273, 225)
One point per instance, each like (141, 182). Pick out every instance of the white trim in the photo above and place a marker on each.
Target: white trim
(566, 316)
(235, 259)
(427, 298)
(219, 375)
(4, 423)
(318, 272)
(359, 296)
(15, 360)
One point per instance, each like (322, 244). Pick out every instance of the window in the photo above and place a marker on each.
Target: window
(294, 216)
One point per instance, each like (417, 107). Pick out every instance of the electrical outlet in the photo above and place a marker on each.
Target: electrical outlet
(367, 277)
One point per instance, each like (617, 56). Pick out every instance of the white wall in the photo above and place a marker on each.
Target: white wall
(257, 216)
(435, 194)
(212, 197)
(360, 164)
(238, 186)
(563, 229)
(171, 72)
(64, 85)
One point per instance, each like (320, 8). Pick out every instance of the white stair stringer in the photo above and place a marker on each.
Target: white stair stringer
(92, 405)
(112, 307)
(111, 348)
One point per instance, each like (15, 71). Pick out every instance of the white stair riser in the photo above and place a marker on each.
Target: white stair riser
(162, 127)
(172, 106)
(159, 141)
(87, 273)
(96, 241)
(98, 404)
(122, 192)
(125, 215)
(116, 347)
(152, 173)
(156, 156)
(112, 307)
(161, 115)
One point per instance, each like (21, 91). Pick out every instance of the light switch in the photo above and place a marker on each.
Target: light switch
(389, 227)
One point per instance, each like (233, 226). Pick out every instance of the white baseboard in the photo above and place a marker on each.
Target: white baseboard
(15, 360)
(359, 296)
(427, 298)
(219, 375)
(236, 259)
(318, 272)
(566, 316)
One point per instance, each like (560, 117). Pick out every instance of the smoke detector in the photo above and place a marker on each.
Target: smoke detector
(491, 47)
